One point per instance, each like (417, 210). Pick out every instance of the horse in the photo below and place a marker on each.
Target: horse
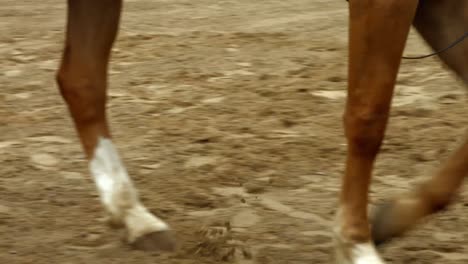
(378, 32)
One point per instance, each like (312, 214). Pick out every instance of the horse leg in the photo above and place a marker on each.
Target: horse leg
(439, 22)
(82, 78)
(378, 32)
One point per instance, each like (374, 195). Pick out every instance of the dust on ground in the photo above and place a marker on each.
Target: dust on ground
(228, 115)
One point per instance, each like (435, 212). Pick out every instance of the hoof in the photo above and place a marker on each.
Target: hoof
(156, 241)
(383, 229)
(393, 218)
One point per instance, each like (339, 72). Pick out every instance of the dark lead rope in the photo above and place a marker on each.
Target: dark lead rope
(456, 42)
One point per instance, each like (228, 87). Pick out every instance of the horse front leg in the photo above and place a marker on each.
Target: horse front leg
(378, 33)
(82, 79)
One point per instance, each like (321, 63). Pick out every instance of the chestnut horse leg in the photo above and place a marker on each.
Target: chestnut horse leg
(82, 78)
(378, 33)
(440, 23)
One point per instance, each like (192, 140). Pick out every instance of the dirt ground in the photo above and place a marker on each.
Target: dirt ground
(228, 116)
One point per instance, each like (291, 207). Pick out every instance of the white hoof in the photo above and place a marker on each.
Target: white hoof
(146, 231)
(347, 252)
(139, 221)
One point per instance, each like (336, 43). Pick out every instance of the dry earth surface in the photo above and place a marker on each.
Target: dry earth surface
(228, 115)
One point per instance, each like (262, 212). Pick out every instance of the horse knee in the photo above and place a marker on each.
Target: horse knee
(84, 94)
(365, 131)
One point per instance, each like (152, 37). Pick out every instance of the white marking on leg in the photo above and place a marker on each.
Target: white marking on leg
(350, 252)
(118, 195)
(355, 253)
(365, 254)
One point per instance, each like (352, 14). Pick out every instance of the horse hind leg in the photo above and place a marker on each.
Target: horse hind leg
(439, 23)
(82, 79)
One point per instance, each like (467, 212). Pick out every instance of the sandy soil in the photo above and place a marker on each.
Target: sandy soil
(228, 115)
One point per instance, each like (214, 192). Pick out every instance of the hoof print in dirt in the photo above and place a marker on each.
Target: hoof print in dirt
(217, 242)
(89, 240)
